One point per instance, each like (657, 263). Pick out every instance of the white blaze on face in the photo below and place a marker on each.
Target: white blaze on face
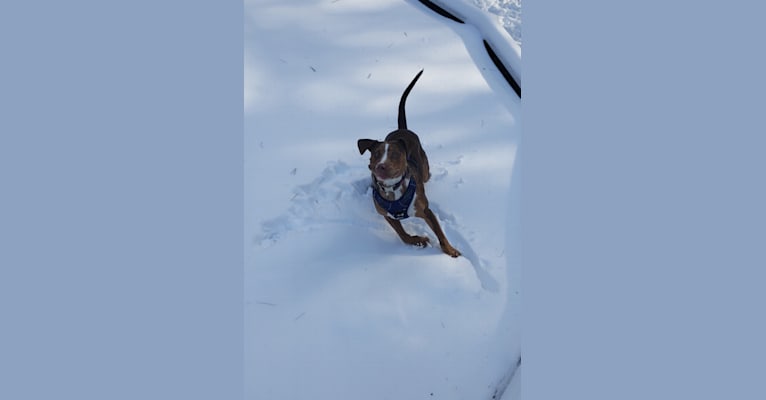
(390, 182)
(385, 155)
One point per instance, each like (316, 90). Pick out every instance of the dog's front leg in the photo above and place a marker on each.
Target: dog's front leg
(419, 241)
(443, 242)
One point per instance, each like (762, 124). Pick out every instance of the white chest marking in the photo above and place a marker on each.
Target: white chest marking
(397, 193)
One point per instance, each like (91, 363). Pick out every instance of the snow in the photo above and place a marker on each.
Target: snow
(507, 12)
(337, 307)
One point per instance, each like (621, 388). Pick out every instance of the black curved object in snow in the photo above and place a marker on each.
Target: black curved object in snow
(444, 13)
(492, 55)
(504, 71)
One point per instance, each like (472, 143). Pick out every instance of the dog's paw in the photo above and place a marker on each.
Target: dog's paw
(451, 251)
(418, 241)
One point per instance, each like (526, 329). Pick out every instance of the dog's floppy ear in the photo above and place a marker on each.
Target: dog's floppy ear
(366, 144)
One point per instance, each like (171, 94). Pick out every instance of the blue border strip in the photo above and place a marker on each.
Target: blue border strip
(121, 222)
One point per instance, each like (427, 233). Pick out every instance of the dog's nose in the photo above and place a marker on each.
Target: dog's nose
(381, 167)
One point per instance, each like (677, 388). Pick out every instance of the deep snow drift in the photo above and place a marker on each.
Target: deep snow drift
(337, 307)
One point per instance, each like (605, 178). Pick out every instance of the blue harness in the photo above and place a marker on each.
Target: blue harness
(397, 209)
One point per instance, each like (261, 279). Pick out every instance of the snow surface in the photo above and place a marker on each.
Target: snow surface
(507, 12)
(337, 307)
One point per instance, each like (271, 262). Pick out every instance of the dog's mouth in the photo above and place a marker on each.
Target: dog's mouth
(381, 177)
(386, 172)
(385, 181)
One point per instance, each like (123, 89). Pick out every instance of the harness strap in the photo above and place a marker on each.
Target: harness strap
(397, 209)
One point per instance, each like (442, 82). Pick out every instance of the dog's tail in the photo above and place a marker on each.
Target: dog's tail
(402, 116)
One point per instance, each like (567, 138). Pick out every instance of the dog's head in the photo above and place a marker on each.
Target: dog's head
(388, 159)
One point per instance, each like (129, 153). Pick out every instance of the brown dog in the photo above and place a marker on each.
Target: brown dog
(400, 170)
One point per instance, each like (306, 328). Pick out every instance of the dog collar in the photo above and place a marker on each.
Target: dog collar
(397, 209)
